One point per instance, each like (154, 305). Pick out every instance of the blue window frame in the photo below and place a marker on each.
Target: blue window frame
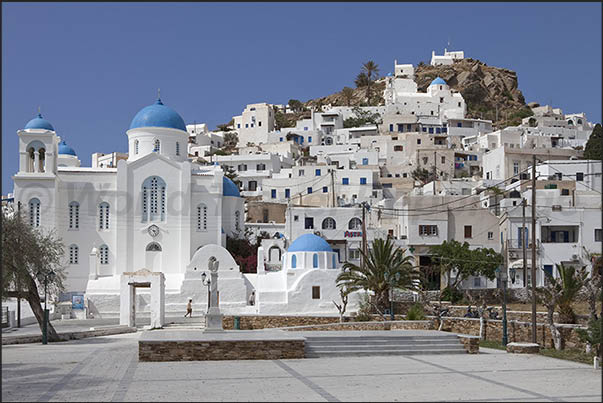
(431, 130)
(273, 193)
(365, 161)
(309, 190)
(345, 181)
(459, 124)
(281, 139)
(306, 128)
(318, 172)
(238, 125)
(287, 193)
(325, 189)
(391, 127)
(315, 261)
(333, 261)
(424, 129)
(444, 130)
(309, 139)
(400, 128)
(293, 262)
(548, 268)
(363, 181)
(408, 127)
(246, 125)
(438, 130)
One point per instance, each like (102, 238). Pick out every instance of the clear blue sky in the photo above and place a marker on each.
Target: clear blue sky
(92, 66)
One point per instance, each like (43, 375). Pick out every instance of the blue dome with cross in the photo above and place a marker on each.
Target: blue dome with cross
(158, 115)
(65, 149)
(39, 123)
(310, 243)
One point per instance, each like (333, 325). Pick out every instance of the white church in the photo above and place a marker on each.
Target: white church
(159, 211)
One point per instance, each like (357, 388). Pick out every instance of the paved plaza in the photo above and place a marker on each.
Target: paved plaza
(107, 369)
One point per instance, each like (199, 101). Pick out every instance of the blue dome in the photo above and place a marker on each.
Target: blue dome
(229, 188)
(438, 81)
(310, 243)
(65, 149)
(158, 115)
(39, 123)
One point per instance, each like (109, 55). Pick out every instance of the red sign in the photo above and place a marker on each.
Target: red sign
(352, 234)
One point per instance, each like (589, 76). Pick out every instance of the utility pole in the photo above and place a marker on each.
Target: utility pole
(533, 265)
(435, 173)
(524, 240)
(333, 187)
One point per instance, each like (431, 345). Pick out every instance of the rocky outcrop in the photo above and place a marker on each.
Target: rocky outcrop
(357, 99)
(486, 89)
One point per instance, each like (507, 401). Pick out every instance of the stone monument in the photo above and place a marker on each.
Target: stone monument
(213, 318)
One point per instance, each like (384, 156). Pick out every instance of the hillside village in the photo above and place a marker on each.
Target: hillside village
(425, 156)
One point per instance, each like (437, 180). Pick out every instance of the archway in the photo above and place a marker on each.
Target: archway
(153, 257)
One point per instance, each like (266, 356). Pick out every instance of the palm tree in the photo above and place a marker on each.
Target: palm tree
(361, 80)
(382, 262)
(348, 95)
(572, 281)
(370, 68)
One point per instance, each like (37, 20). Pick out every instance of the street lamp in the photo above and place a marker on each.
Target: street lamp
(392, 280)
(45, 277)
(502, 276)
(206, 282)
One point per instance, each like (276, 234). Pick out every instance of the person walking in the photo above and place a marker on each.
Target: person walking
(189, 309)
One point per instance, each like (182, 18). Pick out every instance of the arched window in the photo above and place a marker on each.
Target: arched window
(104, 254)
(35, 149)
(201, 217)
(153, 247)
(135, 146)
(74, 215)
(42, 159)
(315, 261)
(355, 223)
(74, 252)
(34, 212)
(177, 148)
(293, 262)
(237, 221)
(156, 146)
(153, 199)
(103, 215)
(579, 121)
(328, 223)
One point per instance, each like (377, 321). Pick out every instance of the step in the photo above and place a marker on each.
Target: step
(360, 341)
(382, 347)
(364, 353)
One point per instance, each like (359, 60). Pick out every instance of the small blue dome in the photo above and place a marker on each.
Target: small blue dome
(229, 188)
(39, 123)
(65, 149)
(438, 81)
(389, 74)
(158, 115)
(310, 243)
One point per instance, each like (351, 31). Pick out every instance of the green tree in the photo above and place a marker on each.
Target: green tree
(571, 282)
(361, 80)
(230, 140)
(423, 175)
(382, 261)
(594, 145)
(28, 255)
(465, 262)
(592, 335)
(296, 105)
(225, 127)
(231, 174)
(362, 118)
(370, 68)
(281, 120)
(348, 95)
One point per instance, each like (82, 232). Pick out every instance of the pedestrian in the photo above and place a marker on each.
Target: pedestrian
(189, 309)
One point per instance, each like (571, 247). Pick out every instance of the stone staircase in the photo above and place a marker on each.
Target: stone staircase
(357, 346)
(186, 323)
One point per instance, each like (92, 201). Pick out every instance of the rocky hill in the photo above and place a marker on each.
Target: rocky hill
(486, 90)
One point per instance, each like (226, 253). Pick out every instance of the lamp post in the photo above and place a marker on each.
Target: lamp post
(390, 279)
(502, 276)
(206, 282)
(45, 277)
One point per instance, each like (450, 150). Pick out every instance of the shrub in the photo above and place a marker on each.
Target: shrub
(452, 294)
(592, 335)
(415, 312)
(364, 309)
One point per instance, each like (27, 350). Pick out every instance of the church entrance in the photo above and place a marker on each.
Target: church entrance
(153, 257)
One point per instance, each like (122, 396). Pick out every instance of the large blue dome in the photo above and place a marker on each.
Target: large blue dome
(158, 115)
(310, 243)
(229, 188)
(39, 123)
(65, 149)
(438, 81)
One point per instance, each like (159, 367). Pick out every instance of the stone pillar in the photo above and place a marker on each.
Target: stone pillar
(36, 161)
(158, 301)
(93, 264)
(127, 305)
(213, 318)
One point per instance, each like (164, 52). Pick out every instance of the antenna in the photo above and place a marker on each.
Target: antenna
(159, 93)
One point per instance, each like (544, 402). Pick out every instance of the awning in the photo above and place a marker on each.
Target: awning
(518, 264)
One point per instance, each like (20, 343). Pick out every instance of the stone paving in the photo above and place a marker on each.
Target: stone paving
(107, 369)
